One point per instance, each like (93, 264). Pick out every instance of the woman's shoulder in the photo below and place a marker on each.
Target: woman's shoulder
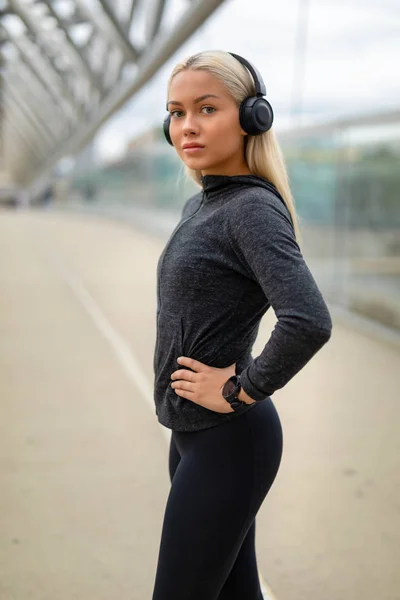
(261, 200)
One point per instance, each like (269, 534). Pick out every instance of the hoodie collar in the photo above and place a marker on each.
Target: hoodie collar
(217, 186)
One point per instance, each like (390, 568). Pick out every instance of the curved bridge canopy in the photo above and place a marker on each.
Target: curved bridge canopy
(68, 65)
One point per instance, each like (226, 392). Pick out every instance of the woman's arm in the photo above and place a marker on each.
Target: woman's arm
(261, 235)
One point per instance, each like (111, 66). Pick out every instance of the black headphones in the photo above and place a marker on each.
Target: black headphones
(255, 112)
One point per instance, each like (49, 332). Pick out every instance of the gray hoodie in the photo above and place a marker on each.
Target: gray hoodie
(232, 255)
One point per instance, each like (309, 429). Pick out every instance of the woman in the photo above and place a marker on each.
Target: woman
(233, 254)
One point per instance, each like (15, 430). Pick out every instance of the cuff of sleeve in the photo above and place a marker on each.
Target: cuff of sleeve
(250, 389)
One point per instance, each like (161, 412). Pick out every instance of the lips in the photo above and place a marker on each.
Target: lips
(188, 146)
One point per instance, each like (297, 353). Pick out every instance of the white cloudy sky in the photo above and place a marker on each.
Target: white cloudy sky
(351, 67)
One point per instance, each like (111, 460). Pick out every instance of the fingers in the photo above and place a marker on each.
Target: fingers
(184, 374)
(196, 365)
(187, 386)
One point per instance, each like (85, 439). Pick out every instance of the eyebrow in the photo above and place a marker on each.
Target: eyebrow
(199, 99)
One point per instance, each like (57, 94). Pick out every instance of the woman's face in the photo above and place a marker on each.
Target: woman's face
(204, 113)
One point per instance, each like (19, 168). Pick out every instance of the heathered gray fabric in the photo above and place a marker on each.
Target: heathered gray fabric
(233, 255)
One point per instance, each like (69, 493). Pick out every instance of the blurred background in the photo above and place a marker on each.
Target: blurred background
(90, 192)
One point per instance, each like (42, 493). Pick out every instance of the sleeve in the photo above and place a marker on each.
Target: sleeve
(261, 234)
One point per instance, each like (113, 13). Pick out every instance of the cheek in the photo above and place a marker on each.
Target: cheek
(228, 129)
(226, 137)
(175, 129)
(173, 132)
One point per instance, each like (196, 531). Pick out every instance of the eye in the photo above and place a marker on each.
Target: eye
(172, 113)
(210, 107)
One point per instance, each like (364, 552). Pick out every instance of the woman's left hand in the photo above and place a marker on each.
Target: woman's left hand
(203, 385)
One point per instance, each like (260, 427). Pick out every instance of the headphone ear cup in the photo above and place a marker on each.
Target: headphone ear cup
(256, 115)
(166, 124)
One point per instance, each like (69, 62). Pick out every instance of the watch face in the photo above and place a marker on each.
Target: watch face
(229, 387)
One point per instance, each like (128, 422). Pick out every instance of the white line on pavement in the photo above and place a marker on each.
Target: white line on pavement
(116, 341)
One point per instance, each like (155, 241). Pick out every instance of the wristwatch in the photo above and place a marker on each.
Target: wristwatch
(230, 392)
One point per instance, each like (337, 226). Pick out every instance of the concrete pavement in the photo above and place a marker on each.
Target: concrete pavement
(83, 460)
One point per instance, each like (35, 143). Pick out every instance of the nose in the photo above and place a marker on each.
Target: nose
(190, 125)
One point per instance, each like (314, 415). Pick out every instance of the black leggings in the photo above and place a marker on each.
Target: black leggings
(219, 479)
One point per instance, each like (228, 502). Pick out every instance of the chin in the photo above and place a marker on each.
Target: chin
(197, 164)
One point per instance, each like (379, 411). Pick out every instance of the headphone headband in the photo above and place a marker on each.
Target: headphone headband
(258, 80)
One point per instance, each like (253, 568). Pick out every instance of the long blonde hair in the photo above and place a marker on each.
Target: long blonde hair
(262, 152)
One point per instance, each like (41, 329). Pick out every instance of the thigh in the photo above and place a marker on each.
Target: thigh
(243, 579)
(204, 522)
(223, 474)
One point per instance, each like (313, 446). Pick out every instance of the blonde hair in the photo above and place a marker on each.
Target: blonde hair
(262, 152)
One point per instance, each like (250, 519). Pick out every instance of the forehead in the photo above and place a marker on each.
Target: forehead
(190, 84)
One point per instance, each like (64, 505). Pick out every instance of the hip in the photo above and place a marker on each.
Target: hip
(254, 434)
